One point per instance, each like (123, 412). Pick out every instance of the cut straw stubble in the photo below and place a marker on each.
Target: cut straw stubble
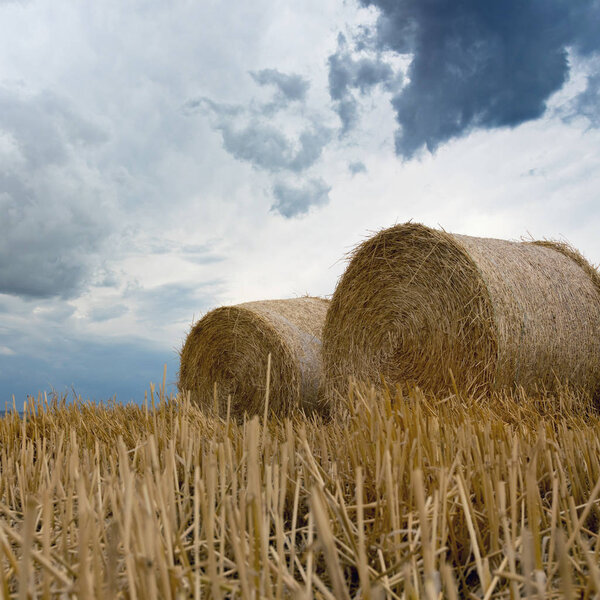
(204, 507)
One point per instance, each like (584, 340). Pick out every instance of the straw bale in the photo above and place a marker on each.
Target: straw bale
(230, 347)
(426, 307)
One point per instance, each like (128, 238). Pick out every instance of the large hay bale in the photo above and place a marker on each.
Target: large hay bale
(422, 306)
(230, 346)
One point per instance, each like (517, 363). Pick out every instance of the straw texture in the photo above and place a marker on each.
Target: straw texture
(230, 346)
(430, 308)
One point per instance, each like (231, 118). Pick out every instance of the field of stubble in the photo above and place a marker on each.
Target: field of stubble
(407, 497)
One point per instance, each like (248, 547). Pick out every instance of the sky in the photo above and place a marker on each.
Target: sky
(160, 159)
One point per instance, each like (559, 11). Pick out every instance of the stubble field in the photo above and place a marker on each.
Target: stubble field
(408, 496)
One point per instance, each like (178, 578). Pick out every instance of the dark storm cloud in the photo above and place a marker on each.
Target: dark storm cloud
(347, 74)
(292, 201)
(480, 64)
(52, 218)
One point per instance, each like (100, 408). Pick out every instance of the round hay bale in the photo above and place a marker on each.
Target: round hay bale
(426, 307)
(230, 346)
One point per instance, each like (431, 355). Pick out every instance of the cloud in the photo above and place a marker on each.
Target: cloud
(104, 276)
(479, 64)
(292, 201)
(266, 147)
(100, 314)
(94, 368)
(53, 345)
(55, 215)
(347, 110)
(347, 74)
(199, 254)
(585, 104)
(357, 167)
(44, 126)
(290, 88)
(172, 302)
(293, 143)
(206, 105)
(250, 137)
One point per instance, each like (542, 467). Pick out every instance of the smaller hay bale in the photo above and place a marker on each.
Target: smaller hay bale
(230, 346)
(441, 310)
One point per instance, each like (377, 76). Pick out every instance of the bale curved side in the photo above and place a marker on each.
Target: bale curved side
(423, 306)
(230, 346)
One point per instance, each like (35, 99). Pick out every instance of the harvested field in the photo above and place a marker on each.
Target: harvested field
(225, 358)
(448, 312)
(410, 497)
